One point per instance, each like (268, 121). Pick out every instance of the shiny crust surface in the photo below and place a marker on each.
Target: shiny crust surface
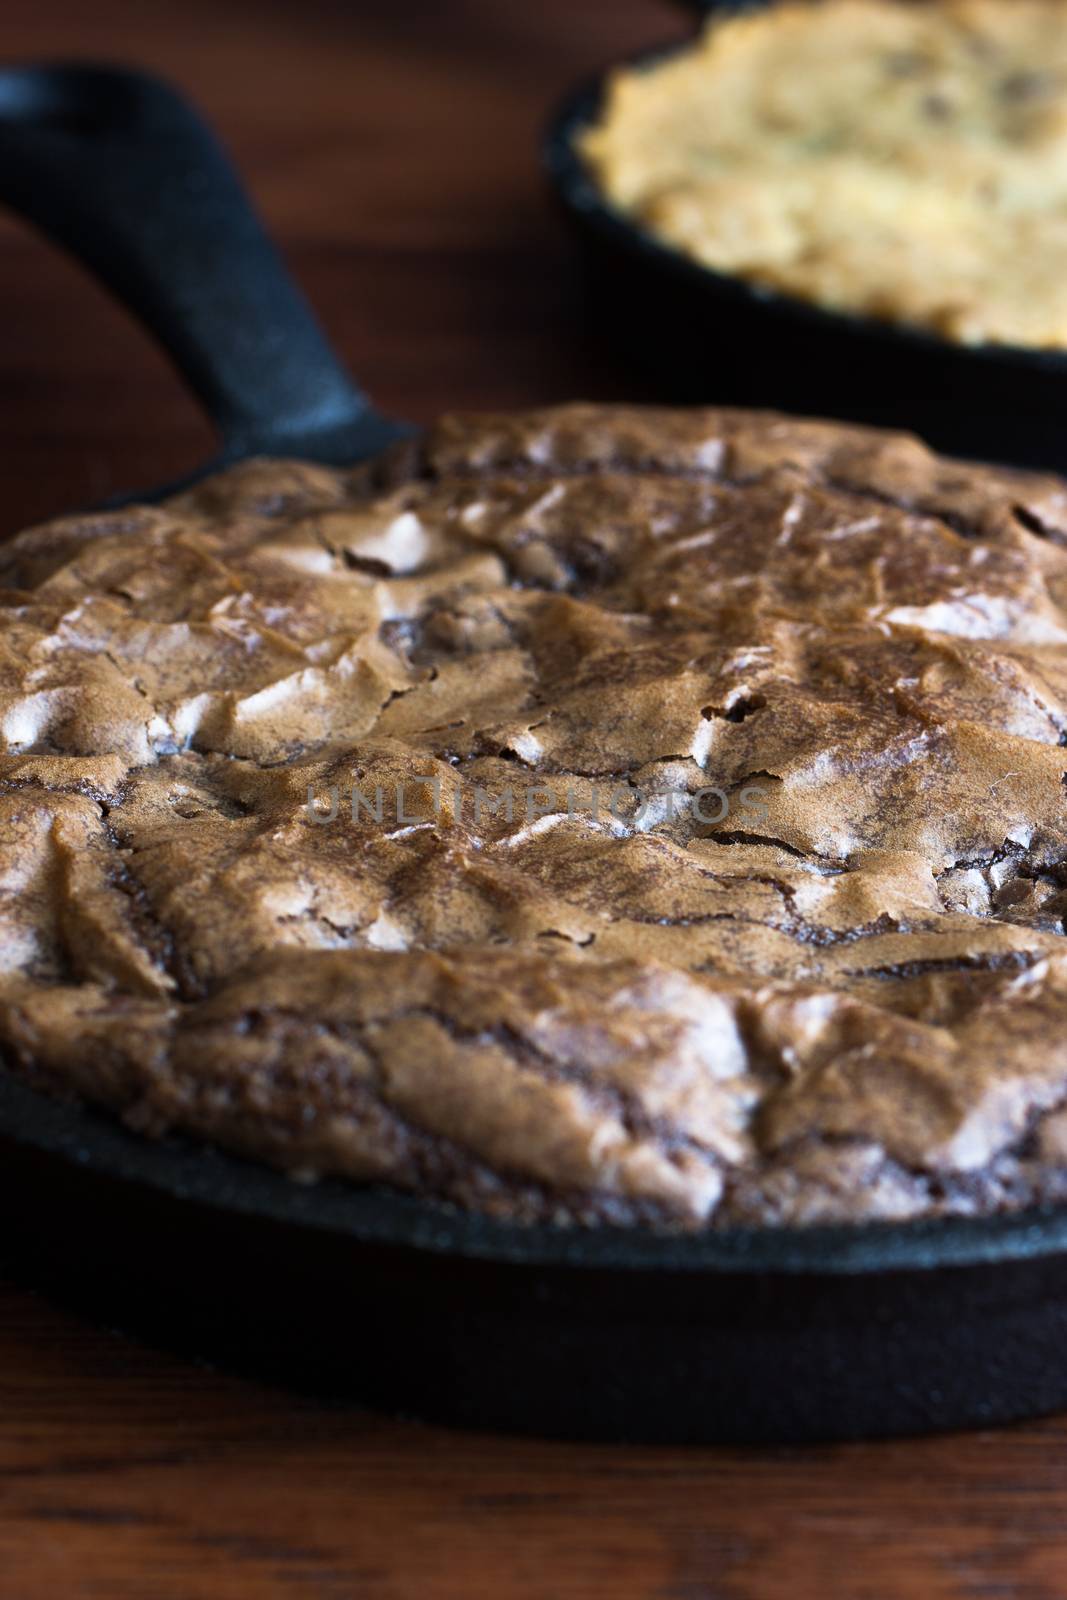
(595, 814)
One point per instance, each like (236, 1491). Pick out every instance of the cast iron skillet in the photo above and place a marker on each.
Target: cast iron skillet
(602, 1333)
(711, 337)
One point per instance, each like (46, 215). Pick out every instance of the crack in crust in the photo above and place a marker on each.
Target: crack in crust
(574, 1011)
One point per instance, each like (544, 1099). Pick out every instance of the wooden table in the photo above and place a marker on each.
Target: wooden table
(392, 148)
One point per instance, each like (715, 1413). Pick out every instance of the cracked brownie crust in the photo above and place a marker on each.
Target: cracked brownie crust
(843, 999)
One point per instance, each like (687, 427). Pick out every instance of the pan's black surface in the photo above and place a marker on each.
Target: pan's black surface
(605, 1334)
(598, 1333)
(710, 337)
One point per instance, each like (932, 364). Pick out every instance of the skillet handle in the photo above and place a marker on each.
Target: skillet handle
(115, 166)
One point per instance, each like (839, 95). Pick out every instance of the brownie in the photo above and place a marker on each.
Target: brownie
(596, 814)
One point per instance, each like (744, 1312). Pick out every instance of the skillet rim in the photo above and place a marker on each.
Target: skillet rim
(95, 1142)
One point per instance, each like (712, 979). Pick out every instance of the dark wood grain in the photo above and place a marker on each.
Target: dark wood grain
(391, 147)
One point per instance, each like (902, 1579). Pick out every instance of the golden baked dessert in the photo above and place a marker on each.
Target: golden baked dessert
(593, 814)
(904, 159)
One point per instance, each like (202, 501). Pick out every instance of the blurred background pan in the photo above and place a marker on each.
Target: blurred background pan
(707, 336)
(775, 1334)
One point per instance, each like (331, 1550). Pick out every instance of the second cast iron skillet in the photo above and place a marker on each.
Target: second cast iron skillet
(606, 1333)
(708, 336)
